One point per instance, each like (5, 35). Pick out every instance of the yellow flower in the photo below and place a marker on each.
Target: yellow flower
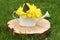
(38, 14)
(20, 11)
(33, 12)
(29, 15)
(28, 5)
(24, 16)
(33, 16)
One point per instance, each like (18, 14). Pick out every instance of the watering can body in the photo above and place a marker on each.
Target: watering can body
(28, 22)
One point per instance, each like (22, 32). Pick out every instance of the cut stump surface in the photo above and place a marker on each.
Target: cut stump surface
(42, 27)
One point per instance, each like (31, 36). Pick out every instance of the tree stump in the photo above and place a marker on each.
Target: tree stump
(42, 27)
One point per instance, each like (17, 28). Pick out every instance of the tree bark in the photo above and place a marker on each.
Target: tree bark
(42, 27)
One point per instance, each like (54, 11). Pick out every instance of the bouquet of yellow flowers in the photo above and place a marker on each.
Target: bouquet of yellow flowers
(29, 11)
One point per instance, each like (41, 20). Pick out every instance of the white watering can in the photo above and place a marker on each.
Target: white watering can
(29, 22)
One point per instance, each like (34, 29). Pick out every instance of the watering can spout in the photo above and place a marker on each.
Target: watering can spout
(46, 14)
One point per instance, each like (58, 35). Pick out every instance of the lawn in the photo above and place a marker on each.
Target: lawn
(8, 6)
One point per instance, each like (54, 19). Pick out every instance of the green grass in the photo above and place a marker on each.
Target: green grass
(8, 6)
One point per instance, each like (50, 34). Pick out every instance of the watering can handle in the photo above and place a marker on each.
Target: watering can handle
(14, 15)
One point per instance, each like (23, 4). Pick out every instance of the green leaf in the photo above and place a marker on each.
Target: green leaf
(26, 8)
